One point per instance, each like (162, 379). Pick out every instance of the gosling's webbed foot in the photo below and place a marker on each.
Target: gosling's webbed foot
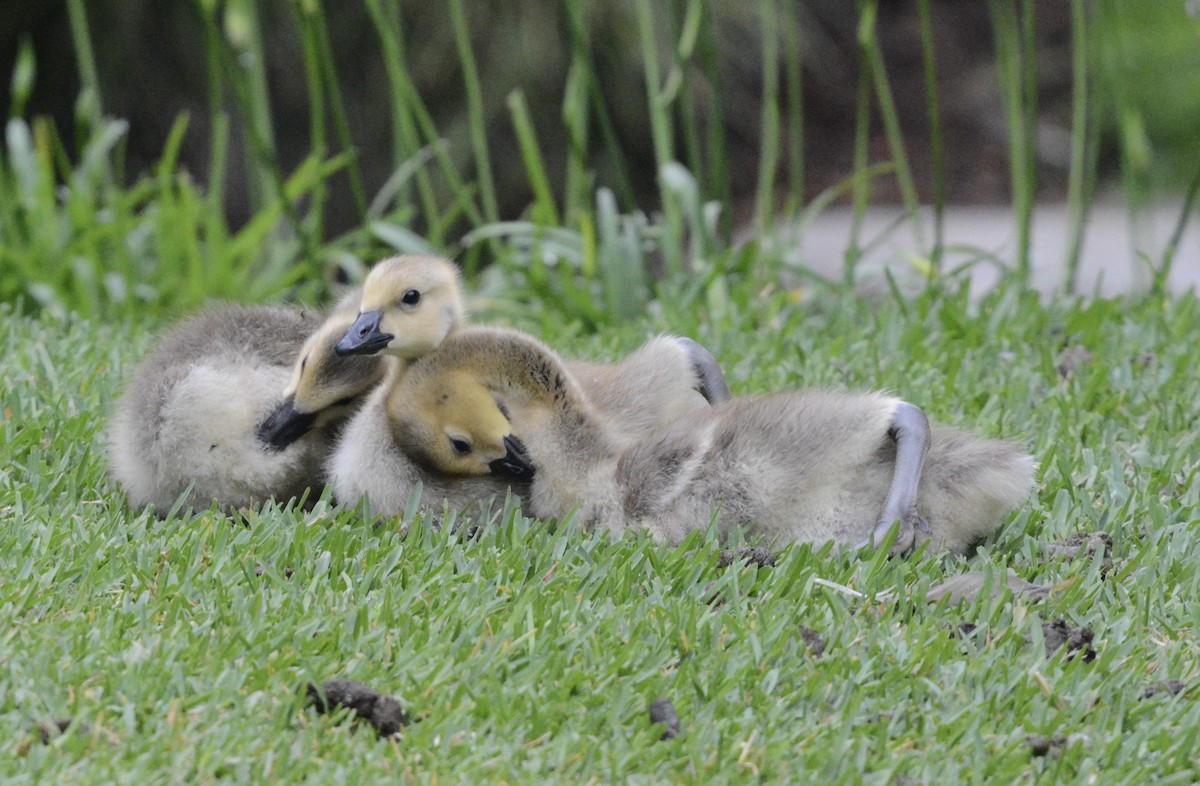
(710, 380)
(913, 530)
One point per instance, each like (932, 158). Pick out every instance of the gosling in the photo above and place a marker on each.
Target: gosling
(409, 306)
(808, 466)
(200, 419)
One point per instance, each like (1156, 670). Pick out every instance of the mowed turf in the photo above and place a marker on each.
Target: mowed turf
(529, 651)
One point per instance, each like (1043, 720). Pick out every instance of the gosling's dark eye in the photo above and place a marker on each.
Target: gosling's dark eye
(461, 446)
(411, 298)
(345, 402)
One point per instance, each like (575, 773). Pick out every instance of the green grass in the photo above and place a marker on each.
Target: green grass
(530, 653)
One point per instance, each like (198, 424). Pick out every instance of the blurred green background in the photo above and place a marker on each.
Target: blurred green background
(767, 105)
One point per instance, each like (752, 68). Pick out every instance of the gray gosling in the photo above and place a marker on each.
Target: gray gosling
(202, 411)
(809, 466)
(409, 306)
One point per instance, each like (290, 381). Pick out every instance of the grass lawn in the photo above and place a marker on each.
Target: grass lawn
(530, 653)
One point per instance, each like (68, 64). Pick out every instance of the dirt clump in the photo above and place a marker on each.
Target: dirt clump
(1077, 640)
(1169, 687)
(384, 713)
(760, 557)
(662, 711)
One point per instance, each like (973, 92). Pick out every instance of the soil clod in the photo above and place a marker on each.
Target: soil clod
(48, 730)
(762, 558)
(1071, 359)
(813, 640)
(1077, 640)
(383, 712)
(1170, 687)
(662, 710)
(1084, 545)
(1041, 745)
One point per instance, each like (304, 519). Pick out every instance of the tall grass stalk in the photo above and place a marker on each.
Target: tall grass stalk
(406, 142)
(1163, 273)
(85, 61)
(1018, 80)
(860, 187)
(1083, 139)
(614, 153)
(715, 174)
(24, 76)
(314, 81)
(575, 115)
(686, 28)
(793, 81)
(544, 211)
(247, 72)
(868, 39)
(937, 173)
(658, 99)
(218, 120)
(314, 16)
(474, 96)
(768, 151)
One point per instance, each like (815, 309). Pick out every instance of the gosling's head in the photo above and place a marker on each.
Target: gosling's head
(409, 304)
(324, 386)
(452, 423)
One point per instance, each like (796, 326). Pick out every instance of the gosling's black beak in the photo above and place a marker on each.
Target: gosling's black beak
(364, 336)
(285, 425)
(515, 463)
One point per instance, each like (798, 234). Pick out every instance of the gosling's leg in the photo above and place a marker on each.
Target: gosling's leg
(710, 379)
(909, 428)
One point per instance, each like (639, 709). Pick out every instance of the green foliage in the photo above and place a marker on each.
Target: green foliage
(158, 246)
(90, 237)
(530, 652)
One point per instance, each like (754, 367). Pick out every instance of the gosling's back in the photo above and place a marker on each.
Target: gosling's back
(190, 412)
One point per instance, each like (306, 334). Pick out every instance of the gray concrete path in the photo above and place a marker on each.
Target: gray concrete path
(1118, 249)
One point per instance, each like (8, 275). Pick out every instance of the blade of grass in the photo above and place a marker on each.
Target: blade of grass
(544, 210)
(85, 59)
(768, 151)
(658, 99)
(314, 81)
(793, 80)
(483, 162)
(1015, 69)
(937, 173)
(1163, 273)
(576, 97)
(337, 107)
(406, 144)
(247, 73)
(1083, 139)
(686, 29)
(869, 41)
(860, 186)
